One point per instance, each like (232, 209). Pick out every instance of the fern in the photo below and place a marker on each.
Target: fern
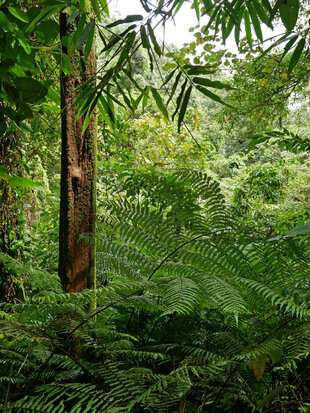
(190, 304)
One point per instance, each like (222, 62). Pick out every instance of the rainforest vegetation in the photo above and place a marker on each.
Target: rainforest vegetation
(154, 207)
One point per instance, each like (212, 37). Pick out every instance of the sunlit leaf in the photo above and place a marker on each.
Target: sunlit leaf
(95, 6)
(104, 5)
(24, 182)
(196, 7)
(4, 22)
(48, 11)
(19, 14)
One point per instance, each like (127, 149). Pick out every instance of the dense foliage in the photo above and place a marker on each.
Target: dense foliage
(202, 242)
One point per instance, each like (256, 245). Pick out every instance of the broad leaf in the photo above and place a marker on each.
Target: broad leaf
(211, 83)
(303, 229)
(296, 54)
(87, 32)
(184, 107)
(19, 14)
(248, 31)
(153, 38)
(4, 22)
(31, 87)
(180, 97)
(144, 38)
(128, 19)
(255, 21)
(289, 13)
(196, 7)
(95, 6)
(48, 31)
(160, 103)
(24, 183)
(104, 5)
(211, 95)
(43, 16)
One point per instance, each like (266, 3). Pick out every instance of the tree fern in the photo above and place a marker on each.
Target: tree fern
(192, 313)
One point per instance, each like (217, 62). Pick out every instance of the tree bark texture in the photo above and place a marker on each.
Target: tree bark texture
(77, 267)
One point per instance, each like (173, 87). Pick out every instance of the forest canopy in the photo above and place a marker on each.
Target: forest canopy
(154, 207)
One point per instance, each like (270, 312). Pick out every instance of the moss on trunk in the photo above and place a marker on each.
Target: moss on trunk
(77, 268)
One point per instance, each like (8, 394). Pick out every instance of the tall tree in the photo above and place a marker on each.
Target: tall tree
(78, 160)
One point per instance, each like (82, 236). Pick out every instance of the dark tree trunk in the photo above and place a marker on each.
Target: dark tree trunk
(77, 268)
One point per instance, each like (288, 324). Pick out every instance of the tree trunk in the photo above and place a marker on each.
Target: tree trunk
(77, 266)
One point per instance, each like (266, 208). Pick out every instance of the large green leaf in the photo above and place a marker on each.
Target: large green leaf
(24, 183)
(260, 11)
(211, 83)
(248, 31)
(23, 42)
(153, 38)
(18, 180)
(31, 88)
(303, 229)
(144, 38)
(289, 13)
(296, 54)
(129, 19)
(48, 11)
(126, 50)
(87, 32)
(47, 31)
(160, 103)
(104, 6)
(19, 14)
(4, 173)
(211, 95)
(196, 7)
(184, 107)
(255, 21)
(4, 22)
(180, 97)
(95, 6)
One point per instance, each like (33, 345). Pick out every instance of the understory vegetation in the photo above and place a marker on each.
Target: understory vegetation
(202, 269)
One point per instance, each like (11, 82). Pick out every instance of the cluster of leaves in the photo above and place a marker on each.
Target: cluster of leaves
(194, 312)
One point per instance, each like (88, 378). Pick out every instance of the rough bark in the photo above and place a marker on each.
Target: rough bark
(8, 219)
(77, 269)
